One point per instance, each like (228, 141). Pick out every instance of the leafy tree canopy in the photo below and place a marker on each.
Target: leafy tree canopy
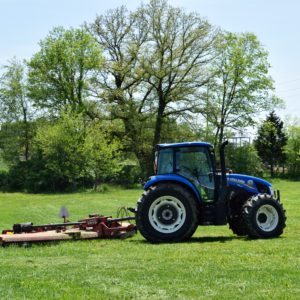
(240, 87)
(61, 72)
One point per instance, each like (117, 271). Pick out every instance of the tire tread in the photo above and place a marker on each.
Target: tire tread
(179, 189)
(250, 208)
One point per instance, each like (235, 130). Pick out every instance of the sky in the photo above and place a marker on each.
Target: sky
(23, 23)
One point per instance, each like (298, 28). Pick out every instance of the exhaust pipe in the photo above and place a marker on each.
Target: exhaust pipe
(222, 161)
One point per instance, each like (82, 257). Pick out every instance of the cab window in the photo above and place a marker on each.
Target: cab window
(194, 163)
(165, 161)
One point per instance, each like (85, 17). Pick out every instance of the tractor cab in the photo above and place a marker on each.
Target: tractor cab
(192, 161)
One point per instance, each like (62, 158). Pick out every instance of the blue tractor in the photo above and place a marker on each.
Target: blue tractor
(187, 190)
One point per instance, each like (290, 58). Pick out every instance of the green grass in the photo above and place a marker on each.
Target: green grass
(215, 264)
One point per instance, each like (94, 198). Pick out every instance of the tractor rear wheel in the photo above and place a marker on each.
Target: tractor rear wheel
(264, 216)
(167, 213)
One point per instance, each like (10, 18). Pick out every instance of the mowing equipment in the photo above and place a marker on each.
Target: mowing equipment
(94, 227)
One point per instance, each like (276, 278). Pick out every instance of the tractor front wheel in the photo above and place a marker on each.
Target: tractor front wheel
(167, 213)
(237, 225)
(235, 218)
(264, 216)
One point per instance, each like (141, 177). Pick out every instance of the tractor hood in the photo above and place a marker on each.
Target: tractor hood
(250, 183)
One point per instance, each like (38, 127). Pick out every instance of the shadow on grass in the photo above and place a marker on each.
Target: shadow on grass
(215, 239)
(207, 239)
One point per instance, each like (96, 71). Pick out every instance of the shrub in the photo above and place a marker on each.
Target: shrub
(244, 160)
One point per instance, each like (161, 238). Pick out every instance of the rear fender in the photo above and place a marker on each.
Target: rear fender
(175, 179)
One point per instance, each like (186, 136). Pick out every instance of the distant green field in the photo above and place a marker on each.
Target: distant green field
(215, 264)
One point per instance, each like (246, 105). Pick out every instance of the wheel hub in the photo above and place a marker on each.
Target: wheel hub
(262, 218)
(167, 214)
(267, 217)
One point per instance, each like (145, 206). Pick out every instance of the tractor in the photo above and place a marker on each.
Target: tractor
(188, 190)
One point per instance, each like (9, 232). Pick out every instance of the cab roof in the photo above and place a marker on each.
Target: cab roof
(184, 144)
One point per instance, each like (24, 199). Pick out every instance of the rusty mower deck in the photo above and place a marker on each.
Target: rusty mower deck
(94, 227)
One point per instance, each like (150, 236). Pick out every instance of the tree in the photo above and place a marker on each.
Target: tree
(75, 149)
(270, 142)
(292, 150)
(16, 112)
(102, 153)
(156, 60)
(61, 72)
(121, 36)
(241, 87)
(176, 61)
(61, 144)
(244, 159)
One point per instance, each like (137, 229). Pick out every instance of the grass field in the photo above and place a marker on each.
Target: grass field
(215, 264)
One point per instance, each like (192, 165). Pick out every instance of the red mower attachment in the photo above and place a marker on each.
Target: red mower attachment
(94, 227)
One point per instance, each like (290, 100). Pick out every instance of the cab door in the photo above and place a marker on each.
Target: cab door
(195, 164)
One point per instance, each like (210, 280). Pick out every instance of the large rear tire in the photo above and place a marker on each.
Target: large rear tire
(167, 213)
(264, 216)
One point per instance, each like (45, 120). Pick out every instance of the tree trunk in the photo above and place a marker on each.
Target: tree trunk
(158, 126)
(272, 168)
(144, 158)
(221, 132)
(157, 132)
(26, 134)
